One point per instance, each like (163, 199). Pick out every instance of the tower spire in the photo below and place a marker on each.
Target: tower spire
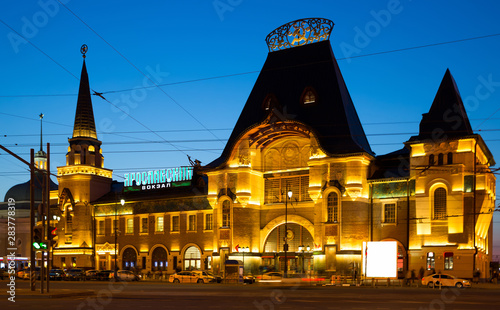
(84, 118)
(41, 127)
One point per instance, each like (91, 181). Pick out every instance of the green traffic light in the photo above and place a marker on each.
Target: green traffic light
(39, 245)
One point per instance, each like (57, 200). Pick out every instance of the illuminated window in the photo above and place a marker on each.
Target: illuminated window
(270, 103)
(91, 148)
(448, 261)
(130, 226)
(390, 213)
(192, 222)
(208, 221)
(226, 213)
(175, 223)
(309, 96)
(159, 259)
(333, 208)
(430, 261)
(450, 158)
(144, 225)
(440, 159)
(431, 159)
(276, 185)
(440, 204)
(159, 224)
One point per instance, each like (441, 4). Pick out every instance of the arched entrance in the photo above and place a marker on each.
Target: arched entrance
(298, 238)
(192, 258)
(159, 260)
(129, 259)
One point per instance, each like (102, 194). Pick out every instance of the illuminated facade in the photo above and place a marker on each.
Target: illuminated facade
(298, 132)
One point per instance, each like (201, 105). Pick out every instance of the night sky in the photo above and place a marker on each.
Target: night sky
(204, 57)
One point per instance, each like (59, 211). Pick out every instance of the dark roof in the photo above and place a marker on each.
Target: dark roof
(447, 117)
(393, 165)
(21, 192)
(84, 117)
(285, 74)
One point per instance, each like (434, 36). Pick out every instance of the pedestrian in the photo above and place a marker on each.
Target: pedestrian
(407, 277)
(421, 273)
(412, 276)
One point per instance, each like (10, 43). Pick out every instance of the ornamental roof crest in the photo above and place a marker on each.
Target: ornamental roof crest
(299, 32)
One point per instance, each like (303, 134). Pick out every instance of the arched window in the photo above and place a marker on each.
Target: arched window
(129, 259)
(450, 158)
(431, 160)
(333, 208)
(270, 103)
(192, 258)
(309, 96)
(440, 204)
(159, 261)
(440, 159)
(226, 213)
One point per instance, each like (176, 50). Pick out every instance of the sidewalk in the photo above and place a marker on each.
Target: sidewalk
(25, 293)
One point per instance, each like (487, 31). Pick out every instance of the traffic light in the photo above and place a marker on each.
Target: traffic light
(38, 243)
(52, 233)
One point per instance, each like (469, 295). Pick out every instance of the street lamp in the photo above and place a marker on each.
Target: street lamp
(243, 250)
(285, 246)
(122, 202)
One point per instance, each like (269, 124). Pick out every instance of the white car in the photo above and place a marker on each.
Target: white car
(445, 280)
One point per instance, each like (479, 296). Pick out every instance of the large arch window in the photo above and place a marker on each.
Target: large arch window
(159, 259)
(226, 213)
(440, 204)
(450, 158)
(332, 208)
(129, 259)
(192, 258)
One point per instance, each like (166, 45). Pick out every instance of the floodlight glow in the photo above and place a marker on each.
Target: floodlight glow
(381, 259)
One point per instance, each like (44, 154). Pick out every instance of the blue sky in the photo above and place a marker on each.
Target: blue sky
(185, 41)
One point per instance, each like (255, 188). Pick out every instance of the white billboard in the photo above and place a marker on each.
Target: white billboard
(380, 259)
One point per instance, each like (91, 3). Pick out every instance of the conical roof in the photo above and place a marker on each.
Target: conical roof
(84, 117)
(285, 75)
(447, 116)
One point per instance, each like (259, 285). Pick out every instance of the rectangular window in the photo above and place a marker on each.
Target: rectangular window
(192, 222)
(448, 261)
(144, 225)
(208, 221)
(159, 224)
(390, 213)
(114, 225)
(275, 188)
(430, 261)
(100, 227)
(175, 223)
(130, 226)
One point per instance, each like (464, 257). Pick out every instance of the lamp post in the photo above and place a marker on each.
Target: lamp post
(122, 202)
(243, 250)
(285, 246)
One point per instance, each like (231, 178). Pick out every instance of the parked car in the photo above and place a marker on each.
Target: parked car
(75, 275)
(445, 280)
(196, 276)
(272, 276)
(91, 274)
(4, 273)
(57, 274)
(250, 279)
(25, 273)
(218, 279)
(124, 275)
(103, 275)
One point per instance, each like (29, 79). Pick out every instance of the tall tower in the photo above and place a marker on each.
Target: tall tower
(41, 156)
(83, 179)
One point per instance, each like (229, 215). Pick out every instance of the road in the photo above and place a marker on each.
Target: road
(151, 295)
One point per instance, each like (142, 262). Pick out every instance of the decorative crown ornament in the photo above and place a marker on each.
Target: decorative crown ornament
(299, 32)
